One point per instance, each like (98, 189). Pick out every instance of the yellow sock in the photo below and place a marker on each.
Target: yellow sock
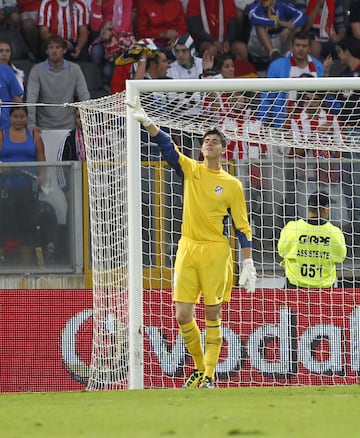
(213, 342)
(191, 335)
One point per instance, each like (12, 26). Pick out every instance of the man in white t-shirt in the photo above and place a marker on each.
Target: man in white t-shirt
(186, 66)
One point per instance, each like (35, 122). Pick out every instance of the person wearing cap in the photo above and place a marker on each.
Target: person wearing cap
(311, 248)
(186, 64)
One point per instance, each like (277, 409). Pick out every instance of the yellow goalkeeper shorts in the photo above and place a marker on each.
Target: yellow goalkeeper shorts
(203, 268)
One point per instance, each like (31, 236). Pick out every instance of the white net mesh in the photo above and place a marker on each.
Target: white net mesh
(283, 146)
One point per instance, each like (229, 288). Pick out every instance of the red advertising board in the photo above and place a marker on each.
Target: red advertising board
(35, 342)
(273, 337)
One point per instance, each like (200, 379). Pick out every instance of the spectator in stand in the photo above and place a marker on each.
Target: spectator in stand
(151, 64)
(111, 24)
(152, 68)
(317, 166)
(354, 18)
(127, 65)
(5, 58)
(273, 22)
(225, 66)
(184, 3)
(276, 105)
(29, 11)
(348, 51)
(69, 19)
(317, 127)
(161, 20)
(73, 146)
(349, 55)
(10, 91)
(56, 81)
(242, 9)
(325, 23)
(220, 67)
(9, 15)
(18, 144)
(186, 66)
(215, 27)
(239, 119)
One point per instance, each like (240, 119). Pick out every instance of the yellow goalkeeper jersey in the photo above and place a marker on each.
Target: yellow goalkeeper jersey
(310, 252)
(209, 197)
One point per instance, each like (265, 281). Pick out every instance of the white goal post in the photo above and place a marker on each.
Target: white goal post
(281, 152)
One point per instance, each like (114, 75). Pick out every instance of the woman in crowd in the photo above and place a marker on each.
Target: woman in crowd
(18, 197)
(5, 58)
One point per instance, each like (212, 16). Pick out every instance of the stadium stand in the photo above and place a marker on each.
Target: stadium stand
(93, 78)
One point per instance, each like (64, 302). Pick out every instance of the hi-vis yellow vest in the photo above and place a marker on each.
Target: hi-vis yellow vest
(310, 253)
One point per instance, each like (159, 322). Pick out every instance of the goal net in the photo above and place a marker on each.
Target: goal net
(287, 139)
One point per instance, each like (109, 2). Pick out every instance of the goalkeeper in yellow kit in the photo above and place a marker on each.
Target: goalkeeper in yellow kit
(311, 248)
(203, 261)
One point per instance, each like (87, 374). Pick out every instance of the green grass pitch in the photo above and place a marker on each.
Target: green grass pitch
(304, 412)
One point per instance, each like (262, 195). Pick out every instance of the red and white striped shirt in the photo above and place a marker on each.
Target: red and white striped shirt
(322, 130)
(64, 20)
(241, 121)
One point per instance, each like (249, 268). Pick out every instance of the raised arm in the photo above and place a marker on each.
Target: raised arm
(168, 149)
(140, 115)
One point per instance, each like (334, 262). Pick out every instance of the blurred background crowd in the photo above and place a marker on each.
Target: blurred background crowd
(106, 38)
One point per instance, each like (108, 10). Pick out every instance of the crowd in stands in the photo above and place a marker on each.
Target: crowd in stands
(58, 51)
(252, 32)
(169, 39)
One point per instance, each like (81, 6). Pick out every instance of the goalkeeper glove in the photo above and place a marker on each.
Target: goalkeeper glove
(138, 113)
(248, 275)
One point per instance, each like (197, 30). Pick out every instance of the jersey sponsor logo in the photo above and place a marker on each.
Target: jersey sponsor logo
(219, 190)
(324, 240)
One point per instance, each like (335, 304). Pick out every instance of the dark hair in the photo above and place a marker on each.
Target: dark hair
(220, 60)
(351, 44)
(155, 58)
(215, 131)
(14, 108)
(57, 39)
(8, 42)
(318, 200)
(301, 35)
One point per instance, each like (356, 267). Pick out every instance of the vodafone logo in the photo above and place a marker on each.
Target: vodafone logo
(276, 350)
(75, 365)
(111, 352)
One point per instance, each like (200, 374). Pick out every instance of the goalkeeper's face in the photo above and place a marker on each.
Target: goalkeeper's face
(212, 147)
